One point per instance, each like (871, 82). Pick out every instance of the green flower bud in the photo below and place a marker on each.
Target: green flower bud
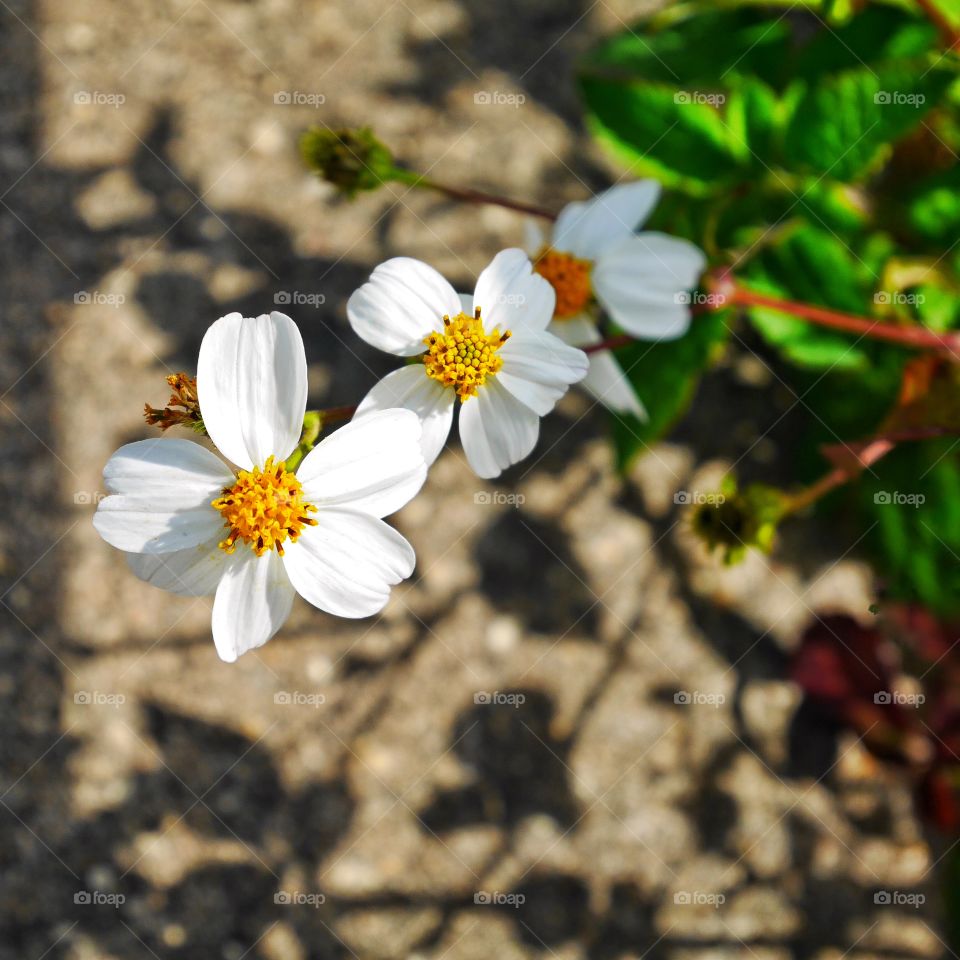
(736, 520)
(352, 160)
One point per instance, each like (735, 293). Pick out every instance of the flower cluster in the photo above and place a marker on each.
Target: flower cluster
(277, 514)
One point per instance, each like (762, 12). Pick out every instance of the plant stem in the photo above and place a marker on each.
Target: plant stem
(620, 340)
(468, 195)
(918, 337)
(950, 34)
(338, 414)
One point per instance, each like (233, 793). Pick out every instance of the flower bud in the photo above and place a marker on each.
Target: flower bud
(739, 520)
(352, 159)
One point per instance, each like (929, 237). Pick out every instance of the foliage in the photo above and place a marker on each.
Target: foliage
(815, 154)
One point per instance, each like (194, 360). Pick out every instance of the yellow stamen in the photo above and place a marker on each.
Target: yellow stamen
(464, 355)
(570, 278)
(263, 508)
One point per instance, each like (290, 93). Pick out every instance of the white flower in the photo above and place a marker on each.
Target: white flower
(492, 351)
(595, 255)
(254, 537)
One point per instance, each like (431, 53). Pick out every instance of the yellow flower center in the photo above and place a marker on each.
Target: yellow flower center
(263, 508)
(570, 278)
(463, 356)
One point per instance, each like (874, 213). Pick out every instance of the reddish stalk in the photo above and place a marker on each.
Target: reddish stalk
(468, 195)
(949, 33)
(338, 414)
(918, 337)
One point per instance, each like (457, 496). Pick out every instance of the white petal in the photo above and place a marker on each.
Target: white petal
(373, 464)
(587, 229)
(162, 493)
(347, 563)
(402, 302)
(642, 284)
(538, 368)
(252, 603)
(252, 386)
(511, 296)
(411, 388)
(194, 572)
(605, 379)
(496, 430)
(534, 239)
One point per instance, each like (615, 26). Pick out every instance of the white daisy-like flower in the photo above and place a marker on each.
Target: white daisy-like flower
(596, 257)
(492, 350)
(256, 535)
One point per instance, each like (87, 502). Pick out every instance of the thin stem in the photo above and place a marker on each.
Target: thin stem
(468, 195)
(918, 337)
(337, 414)
(612, 343)
(949, 33)
(862, 456)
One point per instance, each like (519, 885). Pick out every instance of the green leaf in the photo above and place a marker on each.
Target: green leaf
(910, 502)
(683, 50)
(665, 376)
(812, 266)
(878, 35)
(934, 210)
(845, 123)
(658, 132)
(756, 118)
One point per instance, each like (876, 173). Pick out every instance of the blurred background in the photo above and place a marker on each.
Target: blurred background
(569, 735)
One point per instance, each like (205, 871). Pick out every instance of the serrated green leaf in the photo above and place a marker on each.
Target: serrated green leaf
(877, 35)
(665, 376)
(660, 133)
(934, 209)
(756, 118)
(845, 123)
(679, 47)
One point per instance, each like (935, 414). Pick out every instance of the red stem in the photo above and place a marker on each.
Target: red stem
(918, 337)
(336, 414)
(951, 35)
(479, 196)
(621, 340)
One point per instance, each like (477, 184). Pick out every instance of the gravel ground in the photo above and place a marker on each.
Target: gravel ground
(497, 766)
